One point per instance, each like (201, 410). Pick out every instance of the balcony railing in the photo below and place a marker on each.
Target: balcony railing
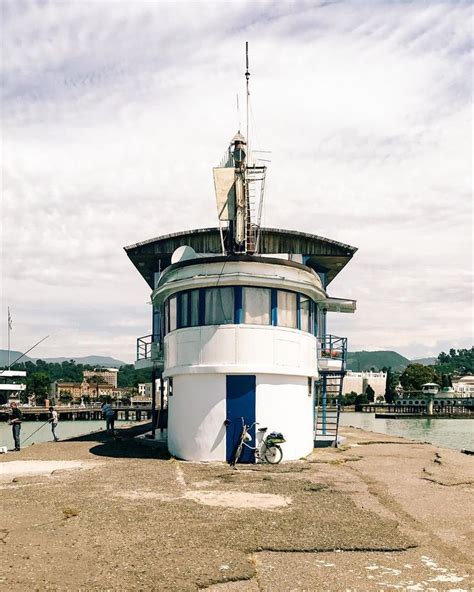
(332, 351)
(149, 349)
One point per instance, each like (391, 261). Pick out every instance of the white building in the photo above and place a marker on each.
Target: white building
(11, 385)
(144, 390)
(464, 387)
(357, 382)
(239, 324)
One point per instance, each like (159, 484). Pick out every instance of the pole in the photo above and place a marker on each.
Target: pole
(28, 350)
(247, 221)
(33, 433)
(162, 401)
(153, 403)
(9, 329)
(247, 76)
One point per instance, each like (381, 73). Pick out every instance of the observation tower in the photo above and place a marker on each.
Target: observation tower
(239, 324)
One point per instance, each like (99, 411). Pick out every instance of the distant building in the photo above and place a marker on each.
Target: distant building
(464, 386)
(78, 390)
(75, 389)
(107, 374)
(144, 390)
(357, 382)
(11, 385)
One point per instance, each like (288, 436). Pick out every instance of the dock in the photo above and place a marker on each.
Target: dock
(456, 408)
(66, 413)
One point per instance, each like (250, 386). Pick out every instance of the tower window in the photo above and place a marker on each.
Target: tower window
(287, 312)
(219, 306)
(256, 306)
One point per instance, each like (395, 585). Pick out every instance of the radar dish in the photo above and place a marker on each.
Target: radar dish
(183, 253)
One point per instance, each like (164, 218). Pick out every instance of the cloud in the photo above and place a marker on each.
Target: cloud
(114, 114)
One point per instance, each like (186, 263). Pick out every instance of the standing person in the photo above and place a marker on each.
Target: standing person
(109, 414)
(15, 422)
(53, 420)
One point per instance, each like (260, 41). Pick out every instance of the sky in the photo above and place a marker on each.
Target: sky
(114, 113)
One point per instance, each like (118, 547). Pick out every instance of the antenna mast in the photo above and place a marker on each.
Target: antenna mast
(239, 182)
(247, 76)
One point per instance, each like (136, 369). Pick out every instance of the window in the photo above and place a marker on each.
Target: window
(229, 305)
(256, 306)
(286, 309)
(166, 317)
(305, 312)
(173, 313)
(194, 297)
(183, 309)
(219, 306)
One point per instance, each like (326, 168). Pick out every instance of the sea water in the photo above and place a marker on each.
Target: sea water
(34, 432)
(448, 433)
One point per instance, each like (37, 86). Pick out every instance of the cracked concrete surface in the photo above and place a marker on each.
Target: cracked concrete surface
(361, 518)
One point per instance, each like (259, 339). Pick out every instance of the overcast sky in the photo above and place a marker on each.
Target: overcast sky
(114, 114)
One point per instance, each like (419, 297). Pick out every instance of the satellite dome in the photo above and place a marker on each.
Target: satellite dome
(183, 253)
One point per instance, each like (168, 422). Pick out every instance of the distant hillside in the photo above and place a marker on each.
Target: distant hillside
(13, 356)
(425, 361)
(365, 360)
(106, 361)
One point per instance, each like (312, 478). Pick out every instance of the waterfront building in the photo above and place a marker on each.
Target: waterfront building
(109, 375)
(464, 387)
(79, 390)
(358, 382)
(239, 330)
(144, 389)
(12, 384)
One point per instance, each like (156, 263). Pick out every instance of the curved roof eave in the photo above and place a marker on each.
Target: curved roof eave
(322, 254)
(212, 230)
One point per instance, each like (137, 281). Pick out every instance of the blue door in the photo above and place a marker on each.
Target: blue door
(240, 402)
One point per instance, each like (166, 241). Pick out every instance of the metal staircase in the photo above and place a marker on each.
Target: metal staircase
(332, 354)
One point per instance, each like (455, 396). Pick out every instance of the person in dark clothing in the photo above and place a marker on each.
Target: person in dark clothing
(53, 420)
(15, 422)
(109, 415)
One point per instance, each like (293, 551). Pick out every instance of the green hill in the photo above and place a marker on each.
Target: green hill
(105, 361)
(365, 360)
(425, 361)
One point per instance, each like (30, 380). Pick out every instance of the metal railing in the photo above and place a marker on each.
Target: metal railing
(332, 347)
(149, 348)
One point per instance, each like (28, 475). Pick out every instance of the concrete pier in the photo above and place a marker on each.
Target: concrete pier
(379, 513)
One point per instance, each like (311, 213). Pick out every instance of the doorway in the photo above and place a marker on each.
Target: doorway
(240, 402)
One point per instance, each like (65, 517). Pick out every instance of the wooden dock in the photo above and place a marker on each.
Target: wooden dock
(90, 413)
(424, 415)
(458, 408)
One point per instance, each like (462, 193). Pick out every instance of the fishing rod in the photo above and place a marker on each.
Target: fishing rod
(32, 434)
(27, 351)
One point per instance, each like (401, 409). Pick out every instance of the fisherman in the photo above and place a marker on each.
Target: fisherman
(109, 414)
(53, 420)
(15, 421)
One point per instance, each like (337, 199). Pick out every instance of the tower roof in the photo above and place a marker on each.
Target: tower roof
(321, 254)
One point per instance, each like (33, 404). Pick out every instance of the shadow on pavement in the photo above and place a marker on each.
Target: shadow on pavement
(124, 445)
